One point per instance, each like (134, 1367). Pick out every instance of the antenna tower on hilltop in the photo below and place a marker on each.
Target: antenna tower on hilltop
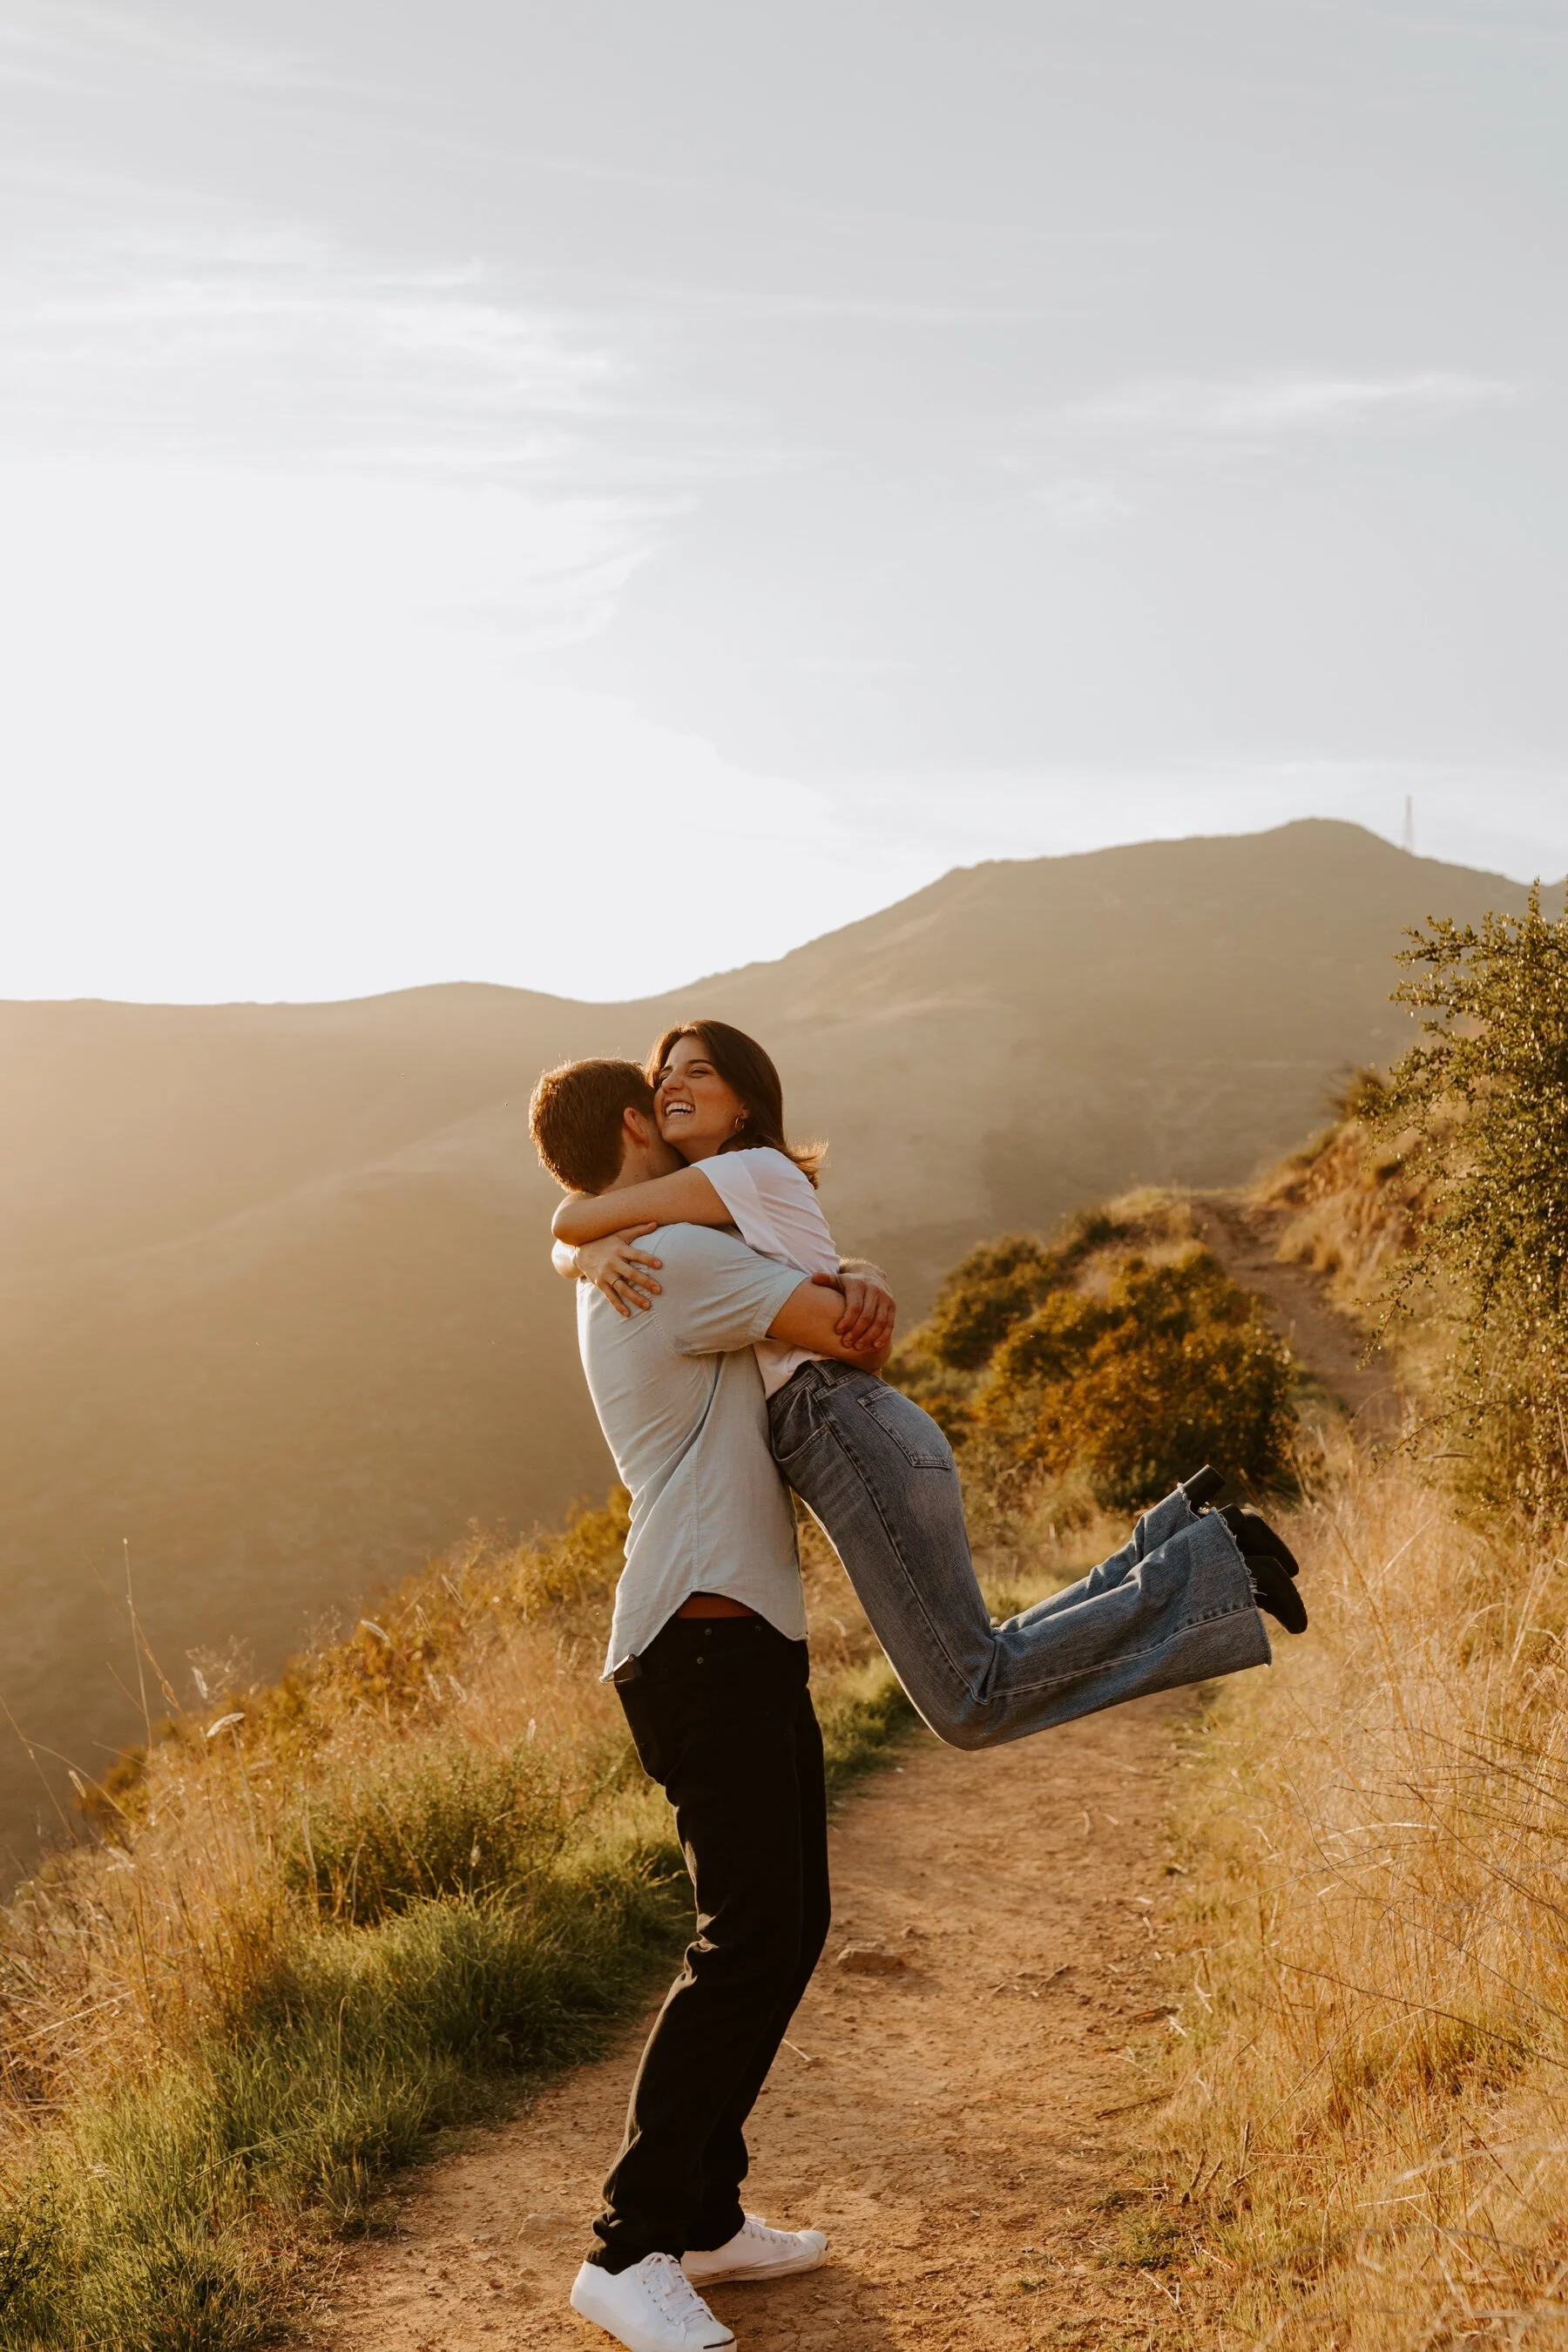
(1407, 838)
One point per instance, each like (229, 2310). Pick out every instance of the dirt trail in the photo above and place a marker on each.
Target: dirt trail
(963, 2127)
(1243, 1239)
(954, 2125)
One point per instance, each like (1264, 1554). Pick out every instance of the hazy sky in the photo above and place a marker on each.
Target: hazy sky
(583, 495)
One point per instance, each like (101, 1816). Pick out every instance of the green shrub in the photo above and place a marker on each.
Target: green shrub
(1485, 1098)
(1092, 1360)
(1172, 1367)
(989, 1291)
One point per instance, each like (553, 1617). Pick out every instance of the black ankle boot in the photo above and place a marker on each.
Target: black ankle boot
(1270, 1562)
(1272, 1590)
(1254, 1534)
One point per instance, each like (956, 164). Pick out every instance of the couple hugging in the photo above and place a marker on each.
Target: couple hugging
(739, 1361)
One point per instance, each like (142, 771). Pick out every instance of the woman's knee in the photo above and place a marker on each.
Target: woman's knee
(959, 1720)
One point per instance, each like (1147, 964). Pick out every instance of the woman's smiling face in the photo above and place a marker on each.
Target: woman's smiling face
(697, 1109)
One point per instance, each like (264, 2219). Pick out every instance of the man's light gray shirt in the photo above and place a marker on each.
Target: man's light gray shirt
(679, 1400)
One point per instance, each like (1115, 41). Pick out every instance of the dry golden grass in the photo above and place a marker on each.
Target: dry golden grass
(119, 1950)
(1368, 2147)
(1351, 1207)
(1347, 1209)
(325, 1919)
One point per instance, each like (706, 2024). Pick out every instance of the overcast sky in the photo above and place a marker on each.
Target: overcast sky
(586, 495)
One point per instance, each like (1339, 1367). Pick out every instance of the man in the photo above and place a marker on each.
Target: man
(709, 1657)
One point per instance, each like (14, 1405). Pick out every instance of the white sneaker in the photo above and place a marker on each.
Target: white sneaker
(756, 2252)
(652, 2307)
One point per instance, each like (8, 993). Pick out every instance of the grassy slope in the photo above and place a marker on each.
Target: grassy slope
(423, 1871)
(1368, 2141)
(377, 1898)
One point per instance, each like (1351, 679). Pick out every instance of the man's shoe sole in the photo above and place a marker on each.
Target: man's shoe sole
(704, 2280)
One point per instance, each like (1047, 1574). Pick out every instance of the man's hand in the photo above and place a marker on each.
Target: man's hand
(625, 1275)
(871, 1310)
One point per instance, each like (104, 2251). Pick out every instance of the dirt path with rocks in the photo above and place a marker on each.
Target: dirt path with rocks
(964, 2125)
(955, 2124)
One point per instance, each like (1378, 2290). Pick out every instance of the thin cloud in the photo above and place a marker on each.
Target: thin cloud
(280, 348)
(265, 318)
(1263, 407)
(57, 43)
(276, 361)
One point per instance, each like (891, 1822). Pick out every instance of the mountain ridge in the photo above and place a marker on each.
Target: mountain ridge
(277, 1302)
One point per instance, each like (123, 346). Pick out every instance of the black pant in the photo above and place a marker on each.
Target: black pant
(722, 1719)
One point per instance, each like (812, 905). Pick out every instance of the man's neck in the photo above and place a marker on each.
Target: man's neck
(642, 1165)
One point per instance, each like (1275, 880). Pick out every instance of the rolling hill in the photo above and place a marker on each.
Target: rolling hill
(278, 1316)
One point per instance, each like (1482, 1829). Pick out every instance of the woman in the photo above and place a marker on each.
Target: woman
(1177, 1604)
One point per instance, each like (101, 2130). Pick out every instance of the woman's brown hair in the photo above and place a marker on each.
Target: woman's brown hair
(743, 1064)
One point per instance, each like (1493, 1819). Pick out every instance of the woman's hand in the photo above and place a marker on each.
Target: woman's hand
(621, 1272)
(871, 1310)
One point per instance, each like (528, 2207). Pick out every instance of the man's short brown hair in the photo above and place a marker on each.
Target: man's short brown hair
(576, 1118)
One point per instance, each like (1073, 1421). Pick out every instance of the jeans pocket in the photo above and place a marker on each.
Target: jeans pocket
(792, 1424)
(914, 1432)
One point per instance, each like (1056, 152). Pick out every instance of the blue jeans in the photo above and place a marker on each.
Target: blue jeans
(1174, 1605)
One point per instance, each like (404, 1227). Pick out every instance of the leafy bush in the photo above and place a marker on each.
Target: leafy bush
(1172, 1367)
(984, 1295)
(1486, 1097)
(981, 1300)
(1095, 1357)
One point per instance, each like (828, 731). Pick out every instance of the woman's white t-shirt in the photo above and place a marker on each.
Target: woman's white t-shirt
(774, 1210)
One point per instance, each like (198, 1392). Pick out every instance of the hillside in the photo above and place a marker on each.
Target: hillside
(1305, 1965)
(275, 1307)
